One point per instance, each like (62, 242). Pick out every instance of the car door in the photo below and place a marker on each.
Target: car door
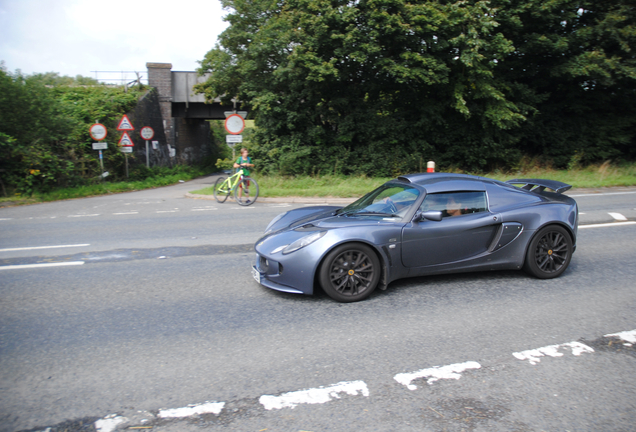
(466, 230)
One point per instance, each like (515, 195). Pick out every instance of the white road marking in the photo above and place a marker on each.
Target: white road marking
(1, 219)
(83, 215)
(321, 395)
(604, 225)
(109, 423)
(617, 216)
(435, 373)
(30, 266)
(553, 351)
(314, 396)
(205, 408)
(601, 194)
(127, 213)
(166, 211)
(203, 209)
(44, 247)
(628, 336)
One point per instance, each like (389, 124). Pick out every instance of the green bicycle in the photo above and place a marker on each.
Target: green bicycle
(245, 188)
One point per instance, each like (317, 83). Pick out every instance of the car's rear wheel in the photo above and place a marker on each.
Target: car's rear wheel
(549, 253)
(350, 272)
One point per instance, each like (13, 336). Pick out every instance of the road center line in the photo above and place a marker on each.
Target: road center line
(600, 194)
(43, 247)
(30, 266)
(617, 216)
(611, 224)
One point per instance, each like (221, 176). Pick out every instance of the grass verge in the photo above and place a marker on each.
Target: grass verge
(595, 176)
(164, 177)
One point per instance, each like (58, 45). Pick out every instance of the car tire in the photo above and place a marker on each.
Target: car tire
(549, 253)
(350, 272)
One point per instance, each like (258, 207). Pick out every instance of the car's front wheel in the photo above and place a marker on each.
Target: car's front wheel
(350, 272)
(549, 253)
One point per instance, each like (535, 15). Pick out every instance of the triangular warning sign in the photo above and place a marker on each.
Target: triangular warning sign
(125, 124)
(125, 140)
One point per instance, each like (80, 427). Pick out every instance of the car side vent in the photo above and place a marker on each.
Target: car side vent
(404, 179)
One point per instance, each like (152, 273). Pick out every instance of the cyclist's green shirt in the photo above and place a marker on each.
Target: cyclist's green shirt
(240, 160)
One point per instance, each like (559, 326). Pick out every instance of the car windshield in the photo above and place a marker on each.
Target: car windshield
(389, 200)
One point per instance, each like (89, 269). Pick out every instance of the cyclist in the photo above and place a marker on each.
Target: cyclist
(245, 162)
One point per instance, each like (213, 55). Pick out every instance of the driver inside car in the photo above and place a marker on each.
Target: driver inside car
(453, 208)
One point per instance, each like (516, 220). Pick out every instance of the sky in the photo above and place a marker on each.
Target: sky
(77, 37)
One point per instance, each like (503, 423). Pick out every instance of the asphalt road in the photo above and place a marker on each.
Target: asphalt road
(163, 327)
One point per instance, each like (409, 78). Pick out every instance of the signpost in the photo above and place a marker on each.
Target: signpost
(147, 133)
(125, 124)
(98, 132)
(125, 142)
(234, 125)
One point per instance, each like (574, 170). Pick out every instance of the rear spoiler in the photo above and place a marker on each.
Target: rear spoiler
(539, 185)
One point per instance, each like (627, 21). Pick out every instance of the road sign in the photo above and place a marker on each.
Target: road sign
(125, 124)
(126, 149)
(233, 139)
(98, 131)
(100, 146)
(147, 133)
(125, 140)
(234, 124)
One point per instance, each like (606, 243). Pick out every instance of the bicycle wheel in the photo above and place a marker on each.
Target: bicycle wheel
(221, 189)
(246, 191)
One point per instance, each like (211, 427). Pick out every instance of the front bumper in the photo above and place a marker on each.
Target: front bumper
(264, 271)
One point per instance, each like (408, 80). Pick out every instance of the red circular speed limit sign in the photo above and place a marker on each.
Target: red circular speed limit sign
(98, 131)
(147, 133)
(234, 124)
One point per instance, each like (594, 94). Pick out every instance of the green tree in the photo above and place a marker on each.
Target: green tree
(44, 129)
(54, 79)
(575, 63)
(31, 133)
(360, 86)
(378, 86)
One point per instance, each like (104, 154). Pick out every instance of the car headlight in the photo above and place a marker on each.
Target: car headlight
(276, 219)
(303, 241)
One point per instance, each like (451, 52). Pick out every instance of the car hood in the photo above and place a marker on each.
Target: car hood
(318, 217)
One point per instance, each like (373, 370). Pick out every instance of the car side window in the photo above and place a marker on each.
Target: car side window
(456, 203)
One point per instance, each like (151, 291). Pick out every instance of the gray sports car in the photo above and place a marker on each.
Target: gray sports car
(420, 224)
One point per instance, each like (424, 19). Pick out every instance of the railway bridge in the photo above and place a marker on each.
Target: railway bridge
(184, 114)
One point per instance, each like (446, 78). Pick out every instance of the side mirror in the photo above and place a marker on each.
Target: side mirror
(432, 215)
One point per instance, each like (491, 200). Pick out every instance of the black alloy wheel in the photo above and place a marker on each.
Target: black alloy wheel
(350, 272)
(549, 253)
